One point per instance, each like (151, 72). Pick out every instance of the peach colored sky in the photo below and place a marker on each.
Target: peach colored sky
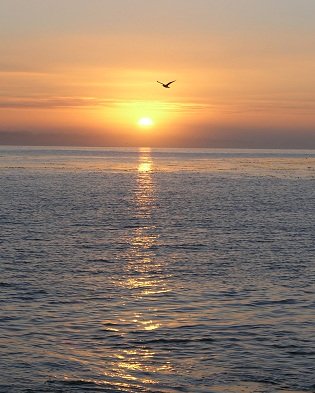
(82, 72)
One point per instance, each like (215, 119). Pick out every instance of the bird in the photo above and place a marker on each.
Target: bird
(166, 85)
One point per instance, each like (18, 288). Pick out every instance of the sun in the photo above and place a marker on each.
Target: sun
(145, 122)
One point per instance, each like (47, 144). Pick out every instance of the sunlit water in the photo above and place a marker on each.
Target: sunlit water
(157, 270)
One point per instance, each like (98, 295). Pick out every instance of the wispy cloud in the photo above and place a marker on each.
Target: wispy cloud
(86, 102)
(52, 102)
(303, 106)
(297, 106)
(166, 106)
(15, 69)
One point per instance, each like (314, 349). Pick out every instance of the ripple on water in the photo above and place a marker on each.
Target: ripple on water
(191, 273)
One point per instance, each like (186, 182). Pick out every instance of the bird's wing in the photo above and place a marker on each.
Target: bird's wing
(160, 82)
(167, 84)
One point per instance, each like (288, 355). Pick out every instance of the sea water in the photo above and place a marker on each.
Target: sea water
(151, 270)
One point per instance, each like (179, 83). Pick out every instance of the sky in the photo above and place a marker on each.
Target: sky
(84, 72)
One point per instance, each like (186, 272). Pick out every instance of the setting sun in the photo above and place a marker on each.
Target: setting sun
(145, 122)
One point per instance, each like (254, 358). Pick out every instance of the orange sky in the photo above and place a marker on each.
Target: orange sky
(81, 72)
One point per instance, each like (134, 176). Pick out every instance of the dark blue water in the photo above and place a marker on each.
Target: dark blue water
(126, 270)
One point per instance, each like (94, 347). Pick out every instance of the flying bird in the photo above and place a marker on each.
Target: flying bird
(166, 85)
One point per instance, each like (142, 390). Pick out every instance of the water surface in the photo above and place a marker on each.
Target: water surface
(138, 270)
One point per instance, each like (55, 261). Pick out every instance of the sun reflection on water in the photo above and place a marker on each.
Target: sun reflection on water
(143, 282)
(144, 167)
(127, 361)
(145, 272)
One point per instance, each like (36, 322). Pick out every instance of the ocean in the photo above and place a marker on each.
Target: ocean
(157, 270)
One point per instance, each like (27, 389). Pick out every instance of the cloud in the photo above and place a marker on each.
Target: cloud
(251, 137)
(81, 102)
(286, 106)
(52, 102)
(61, 137)
(207, 136)
(165, 106)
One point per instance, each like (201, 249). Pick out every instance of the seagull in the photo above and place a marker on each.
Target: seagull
(166, 85)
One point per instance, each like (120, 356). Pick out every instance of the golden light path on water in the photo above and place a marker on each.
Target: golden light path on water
(131, 366)
(141, 284)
